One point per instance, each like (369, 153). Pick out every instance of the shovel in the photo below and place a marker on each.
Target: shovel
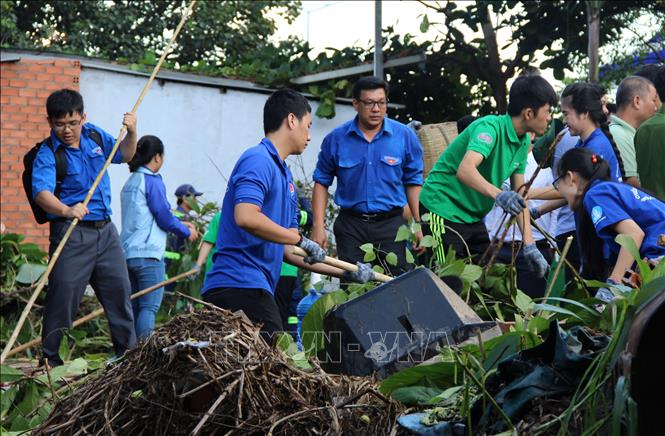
(346, 266)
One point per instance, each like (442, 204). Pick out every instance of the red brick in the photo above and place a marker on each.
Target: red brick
(6, 91)
(18, 83)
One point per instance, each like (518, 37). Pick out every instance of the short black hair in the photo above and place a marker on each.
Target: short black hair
(530, 92)
(64, 102)
(656, 74)
(464, 122)
(629, 88)
(369, 82)
(280, 104)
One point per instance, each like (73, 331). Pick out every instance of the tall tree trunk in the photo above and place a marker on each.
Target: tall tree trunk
(497, 77)
(593, 26)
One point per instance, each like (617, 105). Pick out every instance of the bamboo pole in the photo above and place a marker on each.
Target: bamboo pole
(496, 243)
(564, 253)
(91, 191)
(94, 314)
(346, 266)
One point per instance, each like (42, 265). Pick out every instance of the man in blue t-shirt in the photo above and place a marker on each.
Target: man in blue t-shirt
(378, 164)
(92, 253)
(260, 216)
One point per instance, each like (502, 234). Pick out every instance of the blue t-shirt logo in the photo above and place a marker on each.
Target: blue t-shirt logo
(98, 151)
(596, 214)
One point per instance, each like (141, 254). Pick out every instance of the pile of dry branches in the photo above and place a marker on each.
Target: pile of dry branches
(235, 384)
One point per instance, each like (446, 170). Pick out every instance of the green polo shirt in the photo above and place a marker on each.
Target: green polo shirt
(505, 153)
(650, 153)
(211, 238)
(624, 134)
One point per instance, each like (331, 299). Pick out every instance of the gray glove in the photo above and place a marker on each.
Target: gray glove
(534, 258)
(511, 202)
(193, 277)
(414, 125)
(314, 251)
(604, 295)
(363, 275)
(535, 213)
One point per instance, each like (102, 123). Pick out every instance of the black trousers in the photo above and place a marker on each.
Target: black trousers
(351, 232)
(258, 305)
(573, 255)
(91, 255)
(527, 281)
(474, 234)
(283, 295)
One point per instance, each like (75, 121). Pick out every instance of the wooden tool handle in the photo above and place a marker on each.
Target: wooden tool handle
(346, 266)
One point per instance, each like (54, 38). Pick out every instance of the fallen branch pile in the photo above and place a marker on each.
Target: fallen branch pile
(235, 384)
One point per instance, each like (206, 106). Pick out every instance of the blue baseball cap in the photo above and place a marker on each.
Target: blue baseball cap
(185, 190)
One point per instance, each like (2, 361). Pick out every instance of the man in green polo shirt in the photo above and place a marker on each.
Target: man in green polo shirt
(650, 144)
(636, 102)
(465, 182)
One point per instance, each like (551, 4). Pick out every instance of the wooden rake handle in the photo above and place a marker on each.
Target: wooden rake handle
(346, 266)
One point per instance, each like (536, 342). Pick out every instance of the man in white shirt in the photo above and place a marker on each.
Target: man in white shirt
(527, 281)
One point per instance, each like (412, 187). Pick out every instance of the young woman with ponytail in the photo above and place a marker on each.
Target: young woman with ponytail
(606, 209)
(582, 107)
(146, 219)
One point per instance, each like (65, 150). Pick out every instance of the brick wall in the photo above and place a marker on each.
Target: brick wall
(24, 87)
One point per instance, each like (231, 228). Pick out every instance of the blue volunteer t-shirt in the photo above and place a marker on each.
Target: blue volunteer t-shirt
(243, 260)
(83, 166)
(598, 143)
(609, 203)
(371, 176)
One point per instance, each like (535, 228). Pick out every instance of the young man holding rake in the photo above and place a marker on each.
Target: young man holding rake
(466, 180)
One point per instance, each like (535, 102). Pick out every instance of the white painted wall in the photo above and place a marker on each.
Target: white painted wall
(196, 123)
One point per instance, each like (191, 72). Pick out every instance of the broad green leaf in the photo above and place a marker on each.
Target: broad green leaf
(575, 303)
(555, 309)
(440, 374)
(522, 301)
(9, 374)
(379, 269)
(446, 395)
(367, 248)
(424, 24)
(410, 259)
(312, 324)
(29, 273)
(629, 244)
(429, 241)
(413, 395)
(471, 273)
(538, 324)
(369, 256)
(75, 367)
(403, 233)
(391, 258)
(425, 218)
(6, 400)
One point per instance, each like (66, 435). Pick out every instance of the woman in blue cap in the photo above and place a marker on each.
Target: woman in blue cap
(606, 209)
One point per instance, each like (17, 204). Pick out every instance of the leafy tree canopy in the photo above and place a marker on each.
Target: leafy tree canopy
(218, 31)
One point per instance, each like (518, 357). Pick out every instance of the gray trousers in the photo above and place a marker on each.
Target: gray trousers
(91, 255)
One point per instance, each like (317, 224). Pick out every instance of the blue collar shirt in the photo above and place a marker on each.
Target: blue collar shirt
(83, 165)
(371, 176)
(598, 143)
(243, 260)
(609, 203)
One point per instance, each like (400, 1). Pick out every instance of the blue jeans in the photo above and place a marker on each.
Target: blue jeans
(143, 273)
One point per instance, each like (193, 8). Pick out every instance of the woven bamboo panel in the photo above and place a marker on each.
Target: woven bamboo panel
(434, 139)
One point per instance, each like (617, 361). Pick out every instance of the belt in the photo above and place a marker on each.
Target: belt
(94, 224)
(373, 217)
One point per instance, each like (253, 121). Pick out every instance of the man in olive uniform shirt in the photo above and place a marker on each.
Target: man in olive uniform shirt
(650, 144)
